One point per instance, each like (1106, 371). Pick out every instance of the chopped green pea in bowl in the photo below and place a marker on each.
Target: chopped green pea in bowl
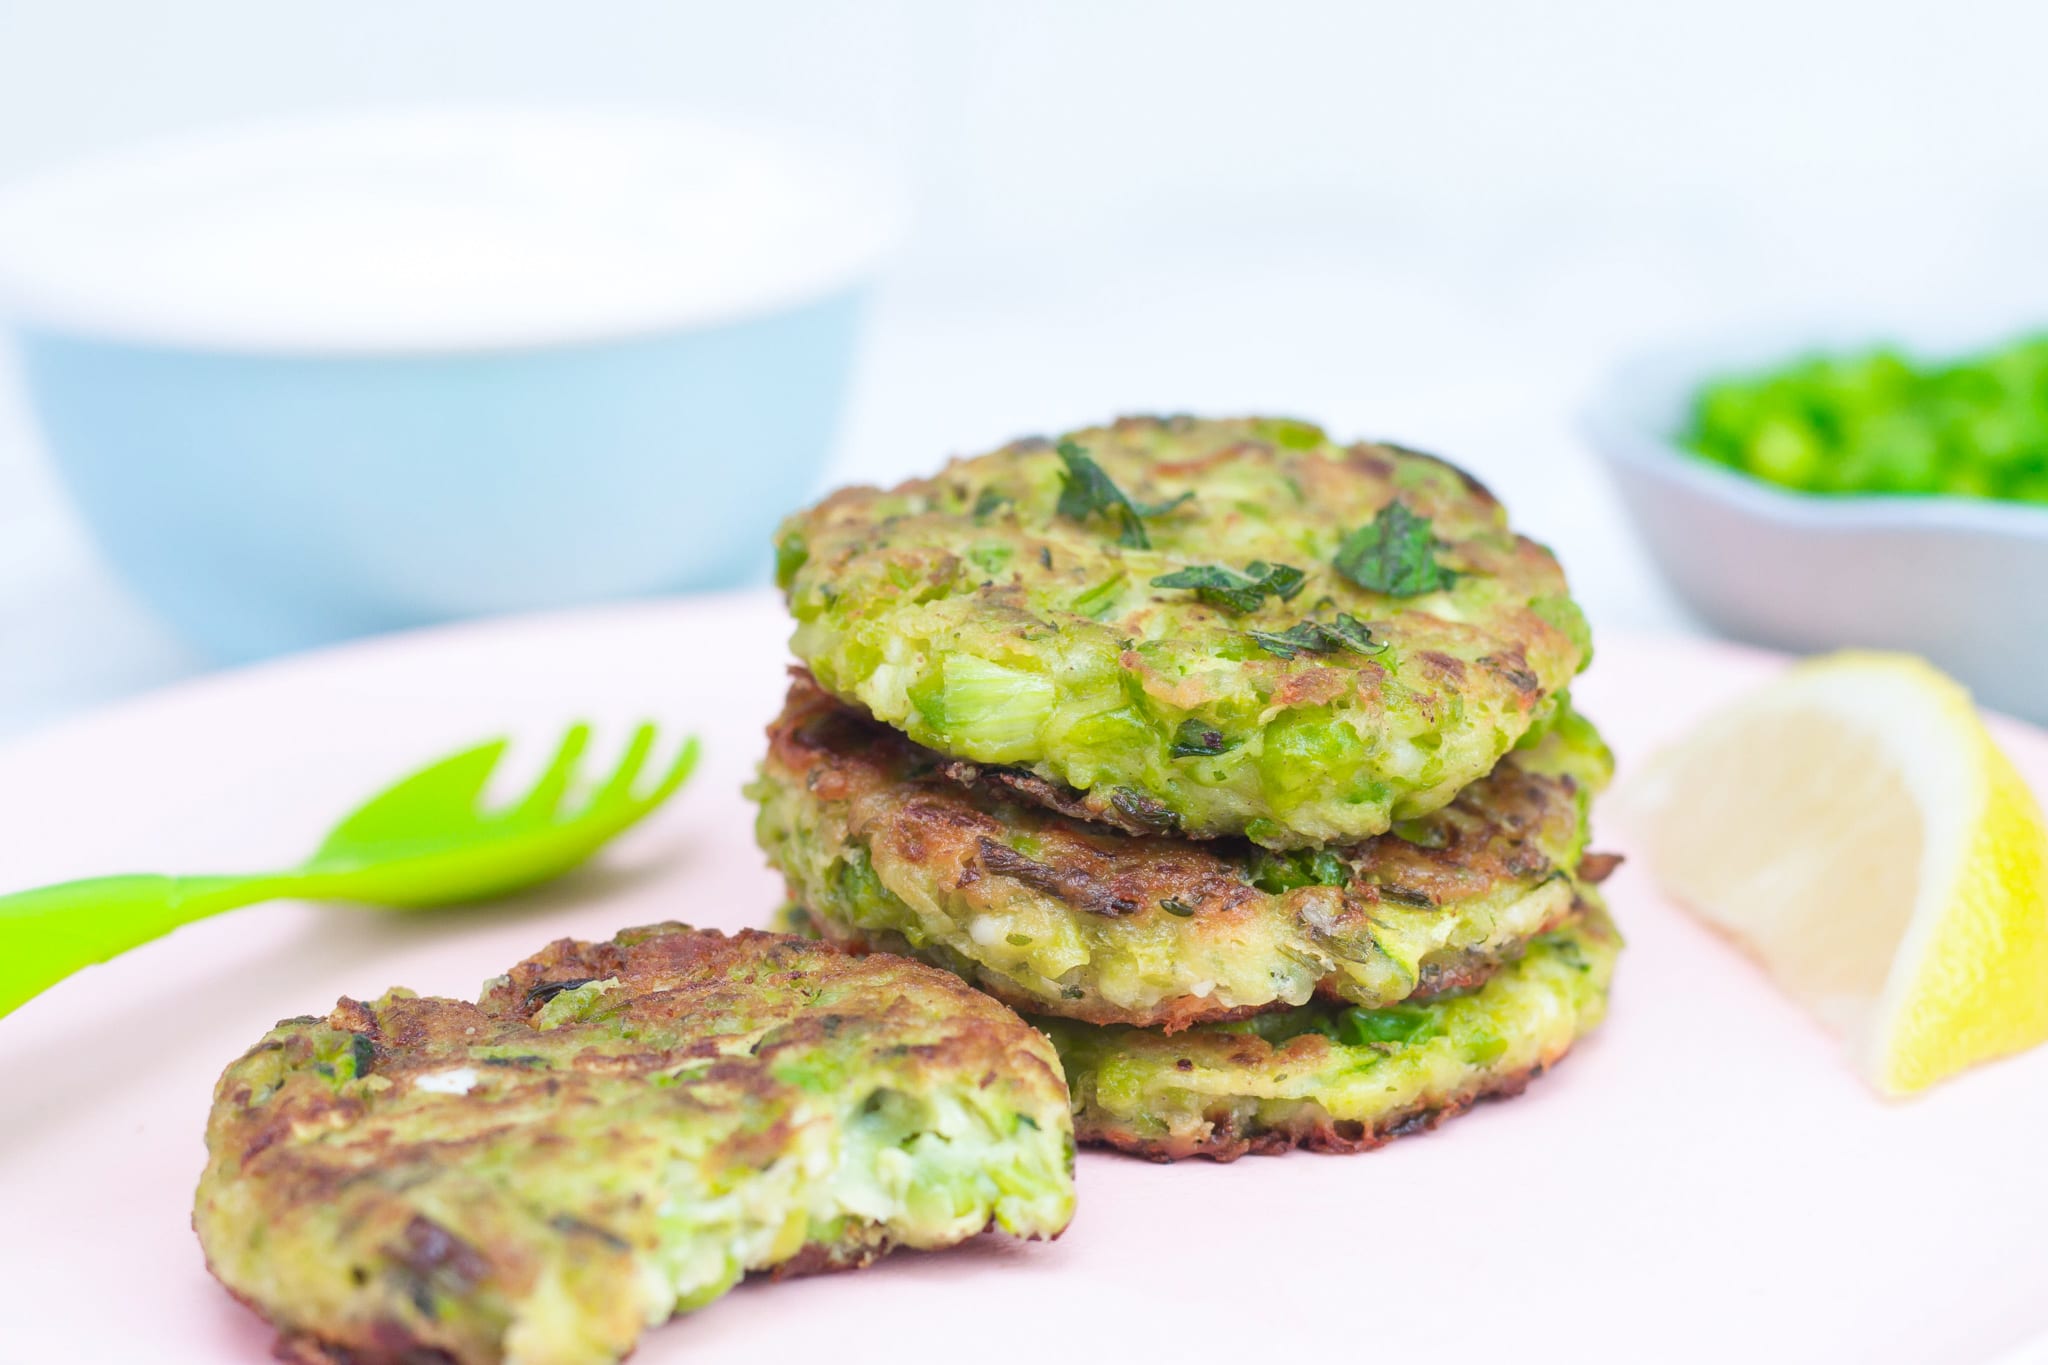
(1841, 488)
(1883, 420)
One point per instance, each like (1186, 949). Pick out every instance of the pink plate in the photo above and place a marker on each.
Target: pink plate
(1703, 1181)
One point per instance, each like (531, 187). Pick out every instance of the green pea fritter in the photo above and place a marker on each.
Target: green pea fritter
(1054, 915)
(1196, 627)
(617, 1133)
(1335, 1079)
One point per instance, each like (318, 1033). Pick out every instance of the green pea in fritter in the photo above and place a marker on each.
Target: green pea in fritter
(617, 1133)
(1194, 627)
(888, 850)
(1331, 1078)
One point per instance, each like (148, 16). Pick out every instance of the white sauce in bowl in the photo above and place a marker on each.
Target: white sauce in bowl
(442, 229)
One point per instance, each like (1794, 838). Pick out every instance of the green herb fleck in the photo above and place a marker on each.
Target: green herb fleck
(990, 501)
(1348, 632)
(1160, 509)
(1017, 940)
(1086, 491)
(1296, 639)
(1328, 869)
(1394, 554)
(1319, 637)
(1175, 906)
(1195, 740)
(1567, 949)
(1277, 873)
(1098, 598)
(1395, 1024)
(1221, 586)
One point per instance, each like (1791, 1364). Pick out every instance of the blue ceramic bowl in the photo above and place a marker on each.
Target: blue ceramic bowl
(1956, 580)
(269, 481)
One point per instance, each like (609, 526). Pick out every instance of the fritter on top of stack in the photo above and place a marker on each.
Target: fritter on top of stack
(1239, 759)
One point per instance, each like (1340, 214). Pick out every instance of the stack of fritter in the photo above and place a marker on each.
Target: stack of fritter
(1238, 759)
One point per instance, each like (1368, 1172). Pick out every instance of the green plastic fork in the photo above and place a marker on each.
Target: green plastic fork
(427, 841)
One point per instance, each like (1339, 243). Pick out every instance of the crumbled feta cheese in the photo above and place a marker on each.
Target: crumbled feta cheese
(460, 1081)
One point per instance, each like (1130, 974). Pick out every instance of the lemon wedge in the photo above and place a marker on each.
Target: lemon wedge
(1853, 826)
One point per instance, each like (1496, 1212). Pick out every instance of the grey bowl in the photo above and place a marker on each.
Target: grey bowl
(1960, 581)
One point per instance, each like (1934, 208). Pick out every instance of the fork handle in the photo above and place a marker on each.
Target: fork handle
(51, 932)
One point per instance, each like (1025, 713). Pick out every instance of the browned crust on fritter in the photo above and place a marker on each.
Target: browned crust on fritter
(1595, 868)
(678, 974)
(1450, 973)
(1313, 1130)
(397, 1346)
(915, 803)
(842, 755)
(1133, 815)
(1307, 1125)
(675, 982)
(673, 976)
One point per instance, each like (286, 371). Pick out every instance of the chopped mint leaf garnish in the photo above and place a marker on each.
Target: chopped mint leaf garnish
(1328, 869)
(1348, 632)
(363, 1053)
(1221, 586)
(1395, 554)
(1319, 637)
(1300, 639)
(1195, 740)
(1395, 1024)
(1086, 491)
(1277, 873)
(1160, 509)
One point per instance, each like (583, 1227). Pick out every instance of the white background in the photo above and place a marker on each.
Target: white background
(1435, 222)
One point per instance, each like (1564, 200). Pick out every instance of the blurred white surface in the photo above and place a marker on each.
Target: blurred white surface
(1435, 223)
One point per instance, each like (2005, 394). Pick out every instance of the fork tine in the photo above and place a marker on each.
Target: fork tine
(619, 786)
(546, 797)
(444, 792)
(677, 774)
